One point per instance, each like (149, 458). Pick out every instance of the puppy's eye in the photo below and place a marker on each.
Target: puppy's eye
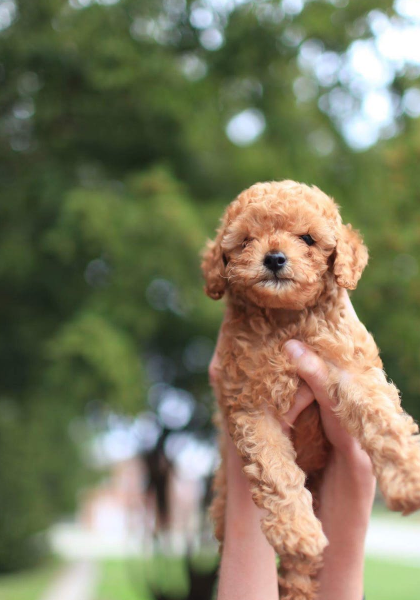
(308, 239)
(246, 241)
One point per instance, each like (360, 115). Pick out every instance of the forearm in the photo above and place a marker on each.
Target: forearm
(346, 503)
(248, 568)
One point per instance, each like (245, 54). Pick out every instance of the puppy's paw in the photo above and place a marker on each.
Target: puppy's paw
(401, 490)
(405, 501)
(290, 592)
(312, 541)
(304, 540)
(297, 578)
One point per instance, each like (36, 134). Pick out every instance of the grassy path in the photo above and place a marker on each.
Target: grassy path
(27, 585)
(76, 581)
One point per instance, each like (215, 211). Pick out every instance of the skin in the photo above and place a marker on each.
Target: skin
(248, 568)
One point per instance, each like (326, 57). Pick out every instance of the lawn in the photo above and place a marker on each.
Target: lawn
(126, 580)
(391, 581)
(27, 585)
(133, 579)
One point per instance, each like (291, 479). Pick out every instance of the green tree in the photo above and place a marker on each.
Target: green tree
(115, 165)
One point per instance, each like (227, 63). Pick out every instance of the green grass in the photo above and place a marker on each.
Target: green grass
(125, 580)
(391, 581)
(380, 510)
(27, 585)
(129, 580)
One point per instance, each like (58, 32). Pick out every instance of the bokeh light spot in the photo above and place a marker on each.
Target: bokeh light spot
(163, 295)
(97, 273)
(175, 408)
(197, 354)
(201, 18)
(322, 142)
(211, 39)
(411, 102)
(193, 67)
(292, 7)
(246, 127)
(24, 109)
(8, 12)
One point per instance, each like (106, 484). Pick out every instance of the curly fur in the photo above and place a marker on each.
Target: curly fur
(256, 384)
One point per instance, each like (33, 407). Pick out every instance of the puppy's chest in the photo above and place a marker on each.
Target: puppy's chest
(260, 359)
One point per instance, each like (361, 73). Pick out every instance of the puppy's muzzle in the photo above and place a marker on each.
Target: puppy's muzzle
(274, 261)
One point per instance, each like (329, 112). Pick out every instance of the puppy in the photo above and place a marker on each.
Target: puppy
(283, 258)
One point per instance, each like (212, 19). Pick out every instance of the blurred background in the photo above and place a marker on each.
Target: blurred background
(126, 126)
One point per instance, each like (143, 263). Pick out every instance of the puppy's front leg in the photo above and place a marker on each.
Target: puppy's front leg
(278, 486)
(369, 408)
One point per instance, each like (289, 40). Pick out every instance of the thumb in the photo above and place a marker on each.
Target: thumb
(311, 368)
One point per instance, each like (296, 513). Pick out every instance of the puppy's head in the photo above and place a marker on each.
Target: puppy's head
(276, 243)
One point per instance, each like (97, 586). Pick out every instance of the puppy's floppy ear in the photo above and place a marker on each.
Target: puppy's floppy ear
(351, 257)
(213, 267)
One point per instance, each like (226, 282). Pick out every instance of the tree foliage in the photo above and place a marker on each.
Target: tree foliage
(114, 167)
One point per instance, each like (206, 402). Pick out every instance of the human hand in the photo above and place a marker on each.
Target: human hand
(348, 485)
(314, 374)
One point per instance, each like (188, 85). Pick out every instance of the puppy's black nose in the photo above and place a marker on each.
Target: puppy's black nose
(274, 261)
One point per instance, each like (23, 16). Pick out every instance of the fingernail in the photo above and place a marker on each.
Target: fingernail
(294, 349)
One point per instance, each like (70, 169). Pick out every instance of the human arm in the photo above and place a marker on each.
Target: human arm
(248, 567)
(346, 493)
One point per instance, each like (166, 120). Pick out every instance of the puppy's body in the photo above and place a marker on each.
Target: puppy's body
(301, 296)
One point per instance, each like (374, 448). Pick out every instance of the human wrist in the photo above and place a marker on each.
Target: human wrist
(348, 488)
(242, 515)
(353, 471)
(346, 498)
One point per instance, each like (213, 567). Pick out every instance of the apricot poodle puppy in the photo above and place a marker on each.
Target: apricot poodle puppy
(283, 258)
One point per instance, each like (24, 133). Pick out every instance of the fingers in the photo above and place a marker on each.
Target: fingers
(311, 368)
(303, 399)
(214, 363)
(314, 371)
